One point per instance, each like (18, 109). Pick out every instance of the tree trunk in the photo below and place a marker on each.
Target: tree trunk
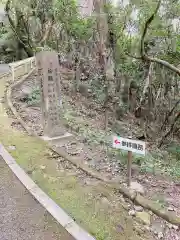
(170, 130)
(76, 67)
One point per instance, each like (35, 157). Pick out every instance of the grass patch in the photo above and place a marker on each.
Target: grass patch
(82, 203)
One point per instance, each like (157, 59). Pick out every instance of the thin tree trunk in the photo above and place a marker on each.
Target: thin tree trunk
(76, 68)
(170, 130)
(168, 115)
(102, 32)
(148, 82)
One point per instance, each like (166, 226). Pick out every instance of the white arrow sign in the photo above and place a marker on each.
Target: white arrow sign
(126, 144)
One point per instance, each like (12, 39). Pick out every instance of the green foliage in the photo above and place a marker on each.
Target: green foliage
(87, 132)
(97, 89)
(151, 163)
(166, 164)
(71, 20)
(174, 150)
(34, 97)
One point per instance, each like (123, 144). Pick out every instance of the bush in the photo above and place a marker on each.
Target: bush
(34, 97)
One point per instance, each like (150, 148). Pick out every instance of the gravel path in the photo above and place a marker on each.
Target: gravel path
(21, 216)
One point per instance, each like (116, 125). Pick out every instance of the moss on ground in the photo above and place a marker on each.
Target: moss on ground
(79, 201)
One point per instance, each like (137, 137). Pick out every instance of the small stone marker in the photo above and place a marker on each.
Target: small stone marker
(49, 79)
(131, 146)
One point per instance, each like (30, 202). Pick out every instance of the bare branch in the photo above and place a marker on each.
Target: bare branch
(163, 63)
(170, 130)
(144, 56)
(13, 27)
(26, 27)
(169, 114)
(147, 24)
(7, 9)
(129, 55)
(47, 32)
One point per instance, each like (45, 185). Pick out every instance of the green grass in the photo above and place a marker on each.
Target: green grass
(81, 202)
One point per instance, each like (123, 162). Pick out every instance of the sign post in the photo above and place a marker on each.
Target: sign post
(129, 167)
(131, 146)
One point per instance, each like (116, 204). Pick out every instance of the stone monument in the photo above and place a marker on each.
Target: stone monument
(48, 76)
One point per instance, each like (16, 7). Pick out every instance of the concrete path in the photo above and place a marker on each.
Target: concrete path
(21, 216)
(4, 68)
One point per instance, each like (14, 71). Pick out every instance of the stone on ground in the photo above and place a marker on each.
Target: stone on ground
(157, 227)
(144, 217)
(135, 186)
(132, 212)
(138, 208)
(12, 148)
(160, 235)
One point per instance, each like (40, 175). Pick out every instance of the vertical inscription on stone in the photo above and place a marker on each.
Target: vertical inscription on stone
(41, 85)
(49, 79)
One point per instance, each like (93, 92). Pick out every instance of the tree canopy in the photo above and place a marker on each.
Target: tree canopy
(133, 49)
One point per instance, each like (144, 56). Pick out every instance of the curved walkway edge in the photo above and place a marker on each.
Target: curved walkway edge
(134, 197)
(58, 213)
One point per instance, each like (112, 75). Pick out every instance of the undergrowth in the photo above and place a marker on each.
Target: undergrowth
(82, 203)
(166, 163)
(34, 97)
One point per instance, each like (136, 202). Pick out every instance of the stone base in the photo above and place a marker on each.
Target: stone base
(137, 187)
(66, 135)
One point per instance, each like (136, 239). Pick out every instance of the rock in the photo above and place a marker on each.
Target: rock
(42, 167)
(119, 228)
(151, 213)
(135, 186)
(132, 213)
(105, 201)
(108, 169)
(147, 228)
(157, 227)
(12, 147)
(138, 208)
(171, 209)
(144, 217)
(170, 226)
(160, 235)
(175, 227)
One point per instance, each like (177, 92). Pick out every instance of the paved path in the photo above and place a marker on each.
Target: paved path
(4, 68)
(21, 216)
